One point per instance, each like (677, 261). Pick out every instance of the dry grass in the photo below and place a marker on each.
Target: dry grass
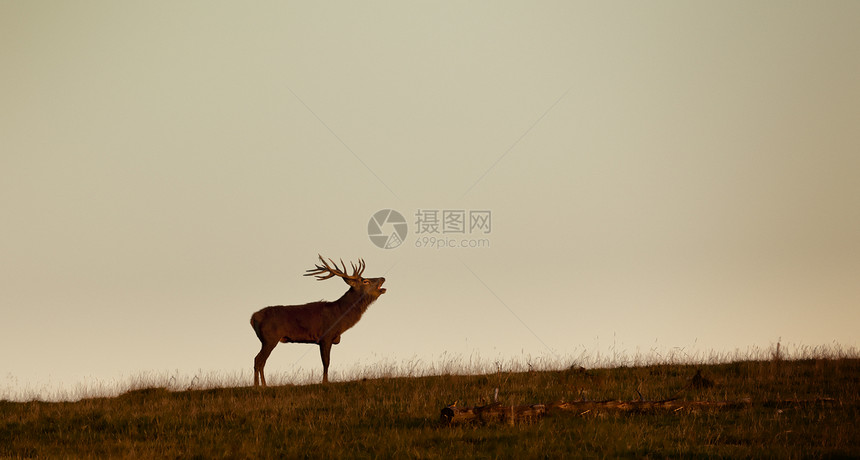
(382, 414)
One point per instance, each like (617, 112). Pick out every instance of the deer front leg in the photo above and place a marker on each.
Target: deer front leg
(325, 353)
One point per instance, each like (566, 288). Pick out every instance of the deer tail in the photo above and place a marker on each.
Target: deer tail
(256, 321)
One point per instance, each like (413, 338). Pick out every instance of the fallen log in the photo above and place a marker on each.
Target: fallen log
(646, 406)
(496, 412)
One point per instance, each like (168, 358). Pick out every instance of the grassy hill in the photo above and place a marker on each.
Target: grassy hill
(399, 417)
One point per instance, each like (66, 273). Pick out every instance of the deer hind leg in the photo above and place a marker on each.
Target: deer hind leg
(325, 353)
(260, 362)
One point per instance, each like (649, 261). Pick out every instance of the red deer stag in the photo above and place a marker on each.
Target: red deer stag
(320, 322)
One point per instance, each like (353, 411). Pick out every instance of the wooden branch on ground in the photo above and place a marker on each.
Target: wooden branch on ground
(496, 412)
(491, 412)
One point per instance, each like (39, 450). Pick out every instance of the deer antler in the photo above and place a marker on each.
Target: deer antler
(324, 271)
(357, 271)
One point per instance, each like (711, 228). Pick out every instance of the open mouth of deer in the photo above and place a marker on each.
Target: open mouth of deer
(379, 286)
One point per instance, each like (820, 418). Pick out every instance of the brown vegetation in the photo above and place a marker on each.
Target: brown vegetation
(386, 417)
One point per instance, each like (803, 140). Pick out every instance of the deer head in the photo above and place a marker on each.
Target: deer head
(370, 287)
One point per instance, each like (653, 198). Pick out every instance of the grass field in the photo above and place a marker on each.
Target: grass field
(399, 416)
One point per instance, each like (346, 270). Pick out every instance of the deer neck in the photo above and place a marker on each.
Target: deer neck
(353, 302)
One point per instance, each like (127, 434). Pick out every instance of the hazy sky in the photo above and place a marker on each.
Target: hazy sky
(659, 175)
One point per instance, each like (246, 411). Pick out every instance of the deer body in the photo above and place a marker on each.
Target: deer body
(320, 322)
